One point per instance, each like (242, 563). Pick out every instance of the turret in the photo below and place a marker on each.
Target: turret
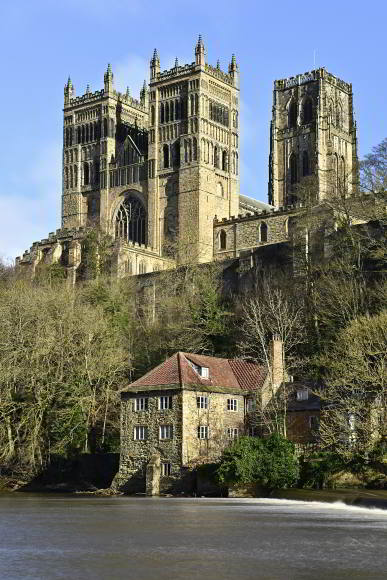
(69, 91)
(154, 65)
(108, 79)
(233, 71)
(144, 95)
(200, 52)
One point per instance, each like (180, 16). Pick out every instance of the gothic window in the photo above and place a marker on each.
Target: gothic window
(339, 116)
(142, 267)
(71, 178)
(293, 115)
(166, 112)
(87, 137)
(111, 127)
(224, 161)
(216, 157)
(86, 174)
(131, 220)
(305, 163)
(196, 104)
(162, 113)
(192, 105)
(195, 149)
(128, 267)
(79, 135)
(293, 169)
(66, 178)
(83, 133)
(219, 189)
(166, 156)
(222, 240)
(105, 128)
(171, 110)
(177, 111)
(263, 232)
(308, 110)
(236, 163)
(75, 176)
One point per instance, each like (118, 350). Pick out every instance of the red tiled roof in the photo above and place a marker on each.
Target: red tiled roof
(226, 373)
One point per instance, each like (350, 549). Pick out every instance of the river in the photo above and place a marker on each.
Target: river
(80, 538)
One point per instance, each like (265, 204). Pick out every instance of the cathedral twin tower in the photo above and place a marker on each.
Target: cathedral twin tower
(159, 174)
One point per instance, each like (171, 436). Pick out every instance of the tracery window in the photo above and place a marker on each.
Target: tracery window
(131, 221)
(222, 240)
(308, 110)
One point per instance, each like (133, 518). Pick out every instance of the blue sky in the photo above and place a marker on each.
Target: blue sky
(43, 41)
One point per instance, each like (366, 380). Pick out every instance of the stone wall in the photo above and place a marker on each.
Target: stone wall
(216, 417)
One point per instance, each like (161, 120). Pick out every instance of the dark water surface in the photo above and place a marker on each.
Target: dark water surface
(82, 538)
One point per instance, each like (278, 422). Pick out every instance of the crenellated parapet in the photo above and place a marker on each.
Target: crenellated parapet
(311, 76)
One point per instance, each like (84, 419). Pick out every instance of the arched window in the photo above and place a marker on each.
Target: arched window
(194, 149)
(79, 135)
(263, 232)
(216, 157)
(162, 113)
(166, 112)
(131, 221)
(192, 104)
(307, 112)
(196, 104)
(236, 163)
(152, 115)
(86, 174)
(128, 267)
(71, 178)
(75, 176)
(166, 156)
(83, 133)
(219, 189)
(87, 134)
(171, 111)
(293, 169)
(177, 110)
(66, 178)
(105, 128)
(224, 161)
(305, 163)
(339, 116)
(111, 127)
(222, 240)
(293, 114)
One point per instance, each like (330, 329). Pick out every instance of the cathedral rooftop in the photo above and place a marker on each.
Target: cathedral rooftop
(311, 76)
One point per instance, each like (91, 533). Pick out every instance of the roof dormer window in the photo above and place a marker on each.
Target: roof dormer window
(203, 372)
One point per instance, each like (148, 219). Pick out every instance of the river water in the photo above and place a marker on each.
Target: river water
(82, 538)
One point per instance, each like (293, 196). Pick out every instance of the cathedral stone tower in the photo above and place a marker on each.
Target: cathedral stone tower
(312, 133)
(193, 154)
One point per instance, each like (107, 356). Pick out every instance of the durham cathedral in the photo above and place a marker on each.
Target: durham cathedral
(160, 174)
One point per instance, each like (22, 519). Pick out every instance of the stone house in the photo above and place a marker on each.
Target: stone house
(184, 412)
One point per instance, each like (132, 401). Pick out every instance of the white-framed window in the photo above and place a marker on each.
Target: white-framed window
(232, 405)
(165, 402)
(251, 405)
(232, 432)
(202, 402)
(302, 394)
(203, 432)
(166, 432)
(203, 372)
(141, 404)
(140, 433)
(165, 468)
